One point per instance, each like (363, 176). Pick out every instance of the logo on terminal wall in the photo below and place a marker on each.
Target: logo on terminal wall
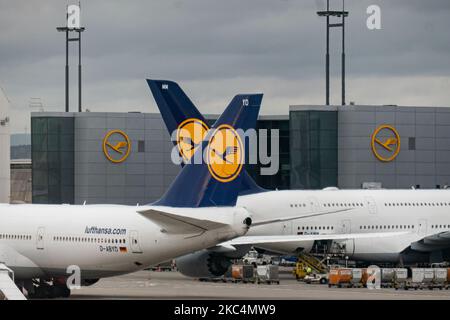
(116, 146)
(385, 143)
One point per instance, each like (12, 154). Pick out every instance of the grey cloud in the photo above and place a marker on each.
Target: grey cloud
(218, 48)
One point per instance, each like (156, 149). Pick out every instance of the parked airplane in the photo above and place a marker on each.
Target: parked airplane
(198, 211)
(399, 226)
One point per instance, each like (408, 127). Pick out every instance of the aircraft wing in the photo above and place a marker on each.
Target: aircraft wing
(261, 240)
(177, 223)
(303, 216)
(7, 286)
(437, 241)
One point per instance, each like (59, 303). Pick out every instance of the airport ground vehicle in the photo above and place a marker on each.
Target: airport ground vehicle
(242, 273)
(255, 258)
(340, 277)
(428, 278)
(400, 277)
(321, 278)
(308, 265)
(359, 277)
(387, 277)
(267, 274)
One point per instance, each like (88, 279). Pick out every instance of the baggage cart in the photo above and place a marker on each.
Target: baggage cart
(340, 277)
(227, 276)
(357, 277)
(387, 277)
(267, 274)
(400, 278)
(448, 279)
(439, 279)
(448, 274)
(420, 278)
(242, 273)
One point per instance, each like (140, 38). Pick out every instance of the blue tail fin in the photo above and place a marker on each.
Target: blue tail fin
(217, 180)
(176, 108)
(174, 105)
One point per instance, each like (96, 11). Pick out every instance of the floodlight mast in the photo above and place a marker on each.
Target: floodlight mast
(331, 13)
(79, 30)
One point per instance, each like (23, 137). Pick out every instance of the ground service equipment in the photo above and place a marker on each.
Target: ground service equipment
(242, 272)
(267, 274)
(340, 277)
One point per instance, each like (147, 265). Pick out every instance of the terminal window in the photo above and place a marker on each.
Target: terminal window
(412, 143)
(141, 146)
(281, 179)
(313, 152)
(52, 140)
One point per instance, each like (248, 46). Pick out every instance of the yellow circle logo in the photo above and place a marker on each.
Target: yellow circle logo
(385, 143)
(225, 154)
(116, 146)
(190, 135)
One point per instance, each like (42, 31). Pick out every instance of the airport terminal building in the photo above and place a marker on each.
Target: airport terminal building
(347, 146)
(73, 157)
(125, 158)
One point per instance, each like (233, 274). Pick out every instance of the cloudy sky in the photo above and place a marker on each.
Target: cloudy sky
(217, 48)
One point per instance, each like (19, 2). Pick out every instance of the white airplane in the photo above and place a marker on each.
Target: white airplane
(51, 242)
(400, 226)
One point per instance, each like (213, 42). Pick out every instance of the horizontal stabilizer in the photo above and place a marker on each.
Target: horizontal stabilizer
(176, 223)
(7, 286)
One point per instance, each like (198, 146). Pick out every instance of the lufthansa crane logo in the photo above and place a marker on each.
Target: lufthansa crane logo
(225, 154)
(190, 135)
(385, 143)
(116, 146)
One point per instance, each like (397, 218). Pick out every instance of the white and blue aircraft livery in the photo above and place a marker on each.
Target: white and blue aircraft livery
(399, 226)
(39, 243)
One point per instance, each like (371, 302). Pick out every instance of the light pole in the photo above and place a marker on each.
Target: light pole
(79, 30)
(338, 14)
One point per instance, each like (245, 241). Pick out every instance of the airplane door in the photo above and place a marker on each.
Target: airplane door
(422, 230)
(134, 240)
(346, 226)
(40, 238)
(371, 205)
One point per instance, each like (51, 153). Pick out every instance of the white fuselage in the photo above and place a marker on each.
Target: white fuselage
(102, 240)
(421, 213)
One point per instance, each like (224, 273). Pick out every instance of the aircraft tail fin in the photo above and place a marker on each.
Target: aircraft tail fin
(215, 179)
(174, 105)
(176, 108)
